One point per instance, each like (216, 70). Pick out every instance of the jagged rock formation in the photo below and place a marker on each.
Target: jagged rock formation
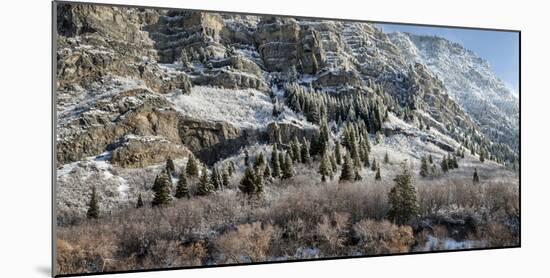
(98, 41)
(137, 111)
(138, 152)
(283, 133)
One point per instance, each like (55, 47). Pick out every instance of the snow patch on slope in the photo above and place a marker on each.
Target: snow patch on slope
(243, 108)
(246, 108)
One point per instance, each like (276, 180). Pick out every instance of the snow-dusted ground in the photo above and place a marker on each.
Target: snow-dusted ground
(117, 187)
(433, 243)
(247, 108)
(409, 146)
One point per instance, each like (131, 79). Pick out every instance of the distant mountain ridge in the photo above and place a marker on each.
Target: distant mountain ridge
(470, 81)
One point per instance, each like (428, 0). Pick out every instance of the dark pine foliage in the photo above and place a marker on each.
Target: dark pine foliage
(93, 206)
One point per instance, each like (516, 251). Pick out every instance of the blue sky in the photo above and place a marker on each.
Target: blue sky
(499, 48)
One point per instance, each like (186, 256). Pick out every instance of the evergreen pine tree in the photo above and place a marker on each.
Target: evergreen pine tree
(357, 160)
(386, 158)
(444, 164)
(246, 158)
(295, 149)
(205, 187)
(169, 176)
(347, 173)
(476, 176)
(367, 142)
(258, 181)
(192, 168)
(367, 162)
(363, 153)
(214, 179)
(225, 179)
(93, 206)
(356, 175)
(377, 176)
(324, 167)
(306, 158)
(162, 189)
(139, 203)
(275, 165)
(248, 182)
(230, 168)
(267, 172)
(482, 156)
(455, 162)
(288, 170)
(323, 137)
(260, 162)
(182, 190)
(282, 162)
(338, 153)
(373, 166)
(424, 167)
(170, 166)
(402, 199)
(333, 164)
(430, 159)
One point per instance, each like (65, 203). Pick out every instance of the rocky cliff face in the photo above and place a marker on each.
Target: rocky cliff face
(138, 86)
(469, 81)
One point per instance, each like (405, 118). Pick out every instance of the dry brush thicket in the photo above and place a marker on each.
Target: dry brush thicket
(293, 219)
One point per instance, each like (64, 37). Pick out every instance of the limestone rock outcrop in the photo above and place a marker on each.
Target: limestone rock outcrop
(142, 151)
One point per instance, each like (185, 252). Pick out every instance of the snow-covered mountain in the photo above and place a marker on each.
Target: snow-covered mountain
(470, 80)
(136, 87)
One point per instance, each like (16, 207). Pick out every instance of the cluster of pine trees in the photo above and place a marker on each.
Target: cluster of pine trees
(425, 165)
(163, 191)
(207, 181)
(318, 105)
(280, 166)
(478, 144)
(449, 162)
(355, 139)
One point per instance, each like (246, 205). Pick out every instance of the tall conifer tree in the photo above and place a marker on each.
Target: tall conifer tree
(402, 199)
(182, 190)
(93, 206)
(162, 189)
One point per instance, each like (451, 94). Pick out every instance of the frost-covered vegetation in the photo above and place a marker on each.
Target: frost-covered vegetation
(295, 218)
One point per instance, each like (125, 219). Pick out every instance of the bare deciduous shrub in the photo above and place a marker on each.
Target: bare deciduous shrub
(332, 232)
(192, 254)
(87, 255)
(248, 243)
(293, 236)
(499, 196)
(299, 221)
(497, 235)
(440, 231)
(383, 237)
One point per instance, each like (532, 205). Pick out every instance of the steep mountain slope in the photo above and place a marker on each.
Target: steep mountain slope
(470, 81)
(139, 86)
